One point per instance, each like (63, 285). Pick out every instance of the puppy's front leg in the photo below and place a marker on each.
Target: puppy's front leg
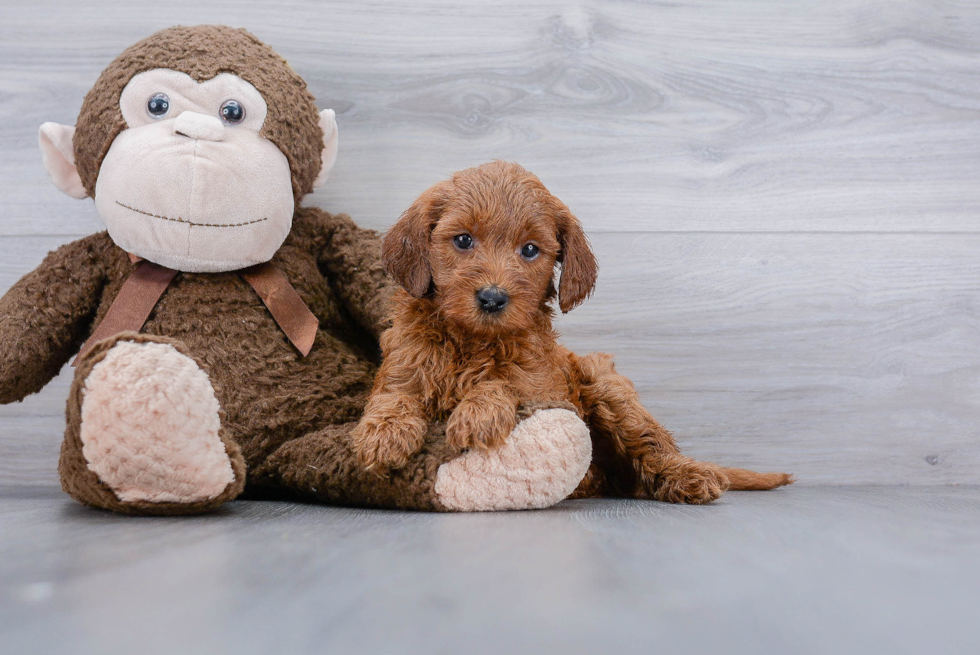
(392, 429)
(484, 418)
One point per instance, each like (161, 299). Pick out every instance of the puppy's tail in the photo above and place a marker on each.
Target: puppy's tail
(745, 480)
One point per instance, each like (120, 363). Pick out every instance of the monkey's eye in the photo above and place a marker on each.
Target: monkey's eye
(232, 112)
(158, 105)
(529, 251)
(463, 241)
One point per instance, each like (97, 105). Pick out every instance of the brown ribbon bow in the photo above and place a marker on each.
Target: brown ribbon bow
(145, 286)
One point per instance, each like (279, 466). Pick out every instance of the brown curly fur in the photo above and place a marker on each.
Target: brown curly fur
(445, 359)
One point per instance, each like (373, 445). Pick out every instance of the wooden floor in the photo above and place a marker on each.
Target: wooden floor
(801, 570)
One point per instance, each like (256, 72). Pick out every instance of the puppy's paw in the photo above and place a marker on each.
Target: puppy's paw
(387, 443)
(683, 480)
(480, 425)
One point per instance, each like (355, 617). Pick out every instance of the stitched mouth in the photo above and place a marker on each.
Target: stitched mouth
(184, 220)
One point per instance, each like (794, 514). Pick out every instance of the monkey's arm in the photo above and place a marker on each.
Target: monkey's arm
(47, 314)
(350, 257)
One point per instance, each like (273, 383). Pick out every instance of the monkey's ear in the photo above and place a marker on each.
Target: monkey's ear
(59, 158)
(405, 249)
(328, 123)
(579, 268)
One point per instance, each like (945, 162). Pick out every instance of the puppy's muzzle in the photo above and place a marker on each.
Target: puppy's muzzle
(491, 299)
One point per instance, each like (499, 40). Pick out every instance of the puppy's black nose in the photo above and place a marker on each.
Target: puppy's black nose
(492, 299)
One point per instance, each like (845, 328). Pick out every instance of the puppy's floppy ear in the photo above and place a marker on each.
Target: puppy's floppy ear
(579, 268)
(405, 248)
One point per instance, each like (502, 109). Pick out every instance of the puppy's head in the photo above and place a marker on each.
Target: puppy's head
(484, 245)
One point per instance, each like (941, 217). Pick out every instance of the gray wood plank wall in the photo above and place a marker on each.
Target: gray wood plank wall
(783, 195)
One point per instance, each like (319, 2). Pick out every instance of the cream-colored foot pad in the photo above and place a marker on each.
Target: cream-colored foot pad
(542, 462)
(150, 426)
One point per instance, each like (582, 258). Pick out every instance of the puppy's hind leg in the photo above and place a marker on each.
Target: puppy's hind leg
(616, 416)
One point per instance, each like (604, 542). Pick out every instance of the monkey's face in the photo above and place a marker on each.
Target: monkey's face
(196, 164)
(191, 184)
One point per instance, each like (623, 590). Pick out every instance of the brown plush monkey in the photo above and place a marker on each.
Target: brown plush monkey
(228, 336)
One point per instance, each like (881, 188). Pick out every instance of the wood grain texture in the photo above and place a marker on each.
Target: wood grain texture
(748, 115)
(798, 570)
(836, 357)
(783, 196)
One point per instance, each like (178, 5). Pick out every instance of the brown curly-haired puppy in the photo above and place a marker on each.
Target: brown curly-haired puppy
(472, 338)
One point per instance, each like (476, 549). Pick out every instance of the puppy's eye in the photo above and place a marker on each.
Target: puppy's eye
(158, 105)
(463, 241)
(529, 251)
(232, 112)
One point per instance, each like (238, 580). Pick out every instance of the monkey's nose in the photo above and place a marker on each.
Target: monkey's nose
(199, 126)
(491, 299)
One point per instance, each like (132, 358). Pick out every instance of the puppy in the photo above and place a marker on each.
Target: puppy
(472, 338)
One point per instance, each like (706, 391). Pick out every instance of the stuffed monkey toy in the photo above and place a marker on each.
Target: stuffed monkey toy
(227, 336)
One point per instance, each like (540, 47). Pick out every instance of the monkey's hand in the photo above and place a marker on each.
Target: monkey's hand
(484, 418)
(390, 432)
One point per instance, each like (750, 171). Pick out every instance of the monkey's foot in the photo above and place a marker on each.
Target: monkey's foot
(148, 430)
(541, 462)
